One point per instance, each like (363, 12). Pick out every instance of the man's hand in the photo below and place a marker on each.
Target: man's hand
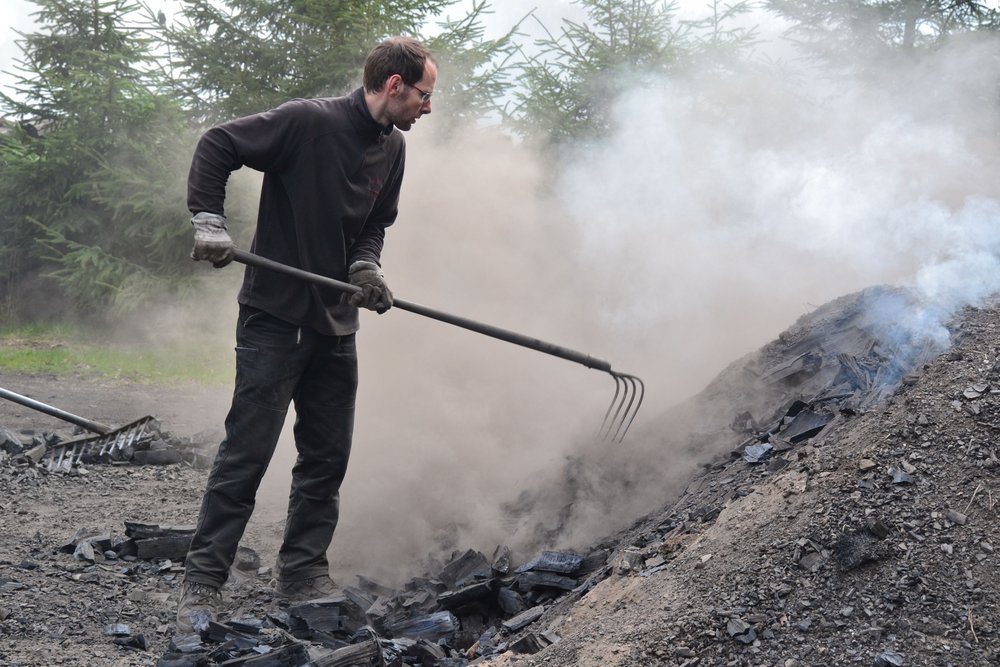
(374, 294)
(211, 240)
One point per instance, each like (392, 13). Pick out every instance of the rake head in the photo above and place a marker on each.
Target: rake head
(629, 392)
(115, 445)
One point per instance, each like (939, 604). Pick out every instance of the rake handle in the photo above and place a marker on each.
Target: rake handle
(251, 259)
(94, 427)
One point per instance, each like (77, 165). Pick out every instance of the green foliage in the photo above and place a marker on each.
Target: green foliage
(869, 28)
(238, 57)
(476, 72)
(718, 39)
(570, 85)
(89, 185)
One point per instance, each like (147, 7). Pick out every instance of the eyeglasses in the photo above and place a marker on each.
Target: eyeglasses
(424, 95)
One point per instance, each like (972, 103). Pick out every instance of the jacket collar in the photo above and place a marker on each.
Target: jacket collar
(364, 115)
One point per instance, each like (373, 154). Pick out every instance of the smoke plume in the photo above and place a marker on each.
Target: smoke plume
(728, 206)
(718, 210)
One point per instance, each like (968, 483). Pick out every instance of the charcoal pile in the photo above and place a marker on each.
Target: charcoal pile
(869, 540)
(765, 409)
(839, 360)
(474, 607)
(18, 451)
(141, 542)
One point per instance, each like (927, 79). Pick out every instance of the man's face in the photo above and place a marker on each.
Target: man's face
(409, 104)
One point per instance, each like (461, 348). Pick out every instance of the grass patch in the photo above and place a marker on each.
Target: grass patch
(63, 350)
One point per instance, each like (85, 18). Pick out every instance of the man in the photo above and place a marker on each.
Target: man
(332, 173)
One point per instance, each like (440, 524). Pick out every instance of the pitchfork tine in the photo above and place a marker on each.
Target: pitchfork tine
(614, 427)
(621, 388)
(638, 389)
(628, 397)
(605, 424)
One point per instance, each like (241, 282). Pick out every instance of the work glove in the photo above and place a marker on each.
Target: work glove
(374, 294)
(211, 240)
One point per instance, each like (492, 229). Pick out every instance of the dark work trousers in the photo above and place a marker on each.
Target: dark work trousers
(276, 363)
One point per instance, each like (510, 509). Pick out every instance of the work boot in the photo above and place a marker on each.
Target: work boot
(305, 589)
(199, 605)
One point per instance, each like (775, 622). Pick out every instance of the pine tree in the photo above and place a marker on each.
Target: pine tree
(869, 28)
(476, 72)
(238, 57)
(89, 184)
(569, 86)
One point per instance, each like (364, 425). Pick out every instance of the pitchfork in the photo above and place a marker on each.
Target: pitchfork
(629, 389)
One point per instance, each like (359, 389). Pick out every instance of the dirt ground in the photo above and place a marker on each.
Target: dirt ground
(871, 544)
(54, 609)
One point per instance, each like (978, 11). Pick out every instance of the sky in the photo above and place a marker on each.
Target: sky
(14, 15)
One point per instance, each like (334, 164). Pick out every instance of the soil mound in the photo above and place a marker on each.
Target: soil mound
(863, 534)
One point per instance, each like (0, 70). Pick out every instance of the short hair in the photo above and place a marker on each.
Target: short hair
(404, 56)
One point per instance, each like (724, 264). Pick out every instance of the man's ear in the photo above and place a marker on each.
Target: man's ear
(394, 85)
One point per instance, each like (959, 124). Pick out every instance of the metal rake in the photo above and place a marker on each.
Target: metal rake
(108, 444)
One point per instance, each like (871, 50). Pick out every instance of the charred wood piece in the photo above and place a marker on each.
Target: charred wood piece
(510, 601)
(553, 561)
(532, 581)
(501, 560)
(10, 443)
(85, 538)
(289, 655)
(468, 568)
(221, 632)
(805, 425)
(533, 642)
(359, 597)
(425, 652)
(524, 618)
(181, 660)
(794, 371)
(334, 614)
(440, 625)
(364, 653)
(470, 594)
(153, 541)
(186, 644)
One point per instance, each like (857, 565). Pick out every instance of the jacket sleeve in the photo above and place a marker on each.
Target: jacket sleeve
(262, 142)
(368, 245)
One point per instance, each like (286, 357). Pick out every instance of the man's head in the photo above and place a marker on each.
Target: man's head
(400, 74)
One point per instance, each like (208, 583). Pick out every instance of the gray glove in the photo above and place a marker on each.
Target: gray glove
(211, 240)
(374, 294)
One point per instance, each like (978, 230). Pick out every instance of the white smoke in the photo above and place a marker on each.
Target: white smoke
(726, 207)
(730, 206)
(717, 211)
